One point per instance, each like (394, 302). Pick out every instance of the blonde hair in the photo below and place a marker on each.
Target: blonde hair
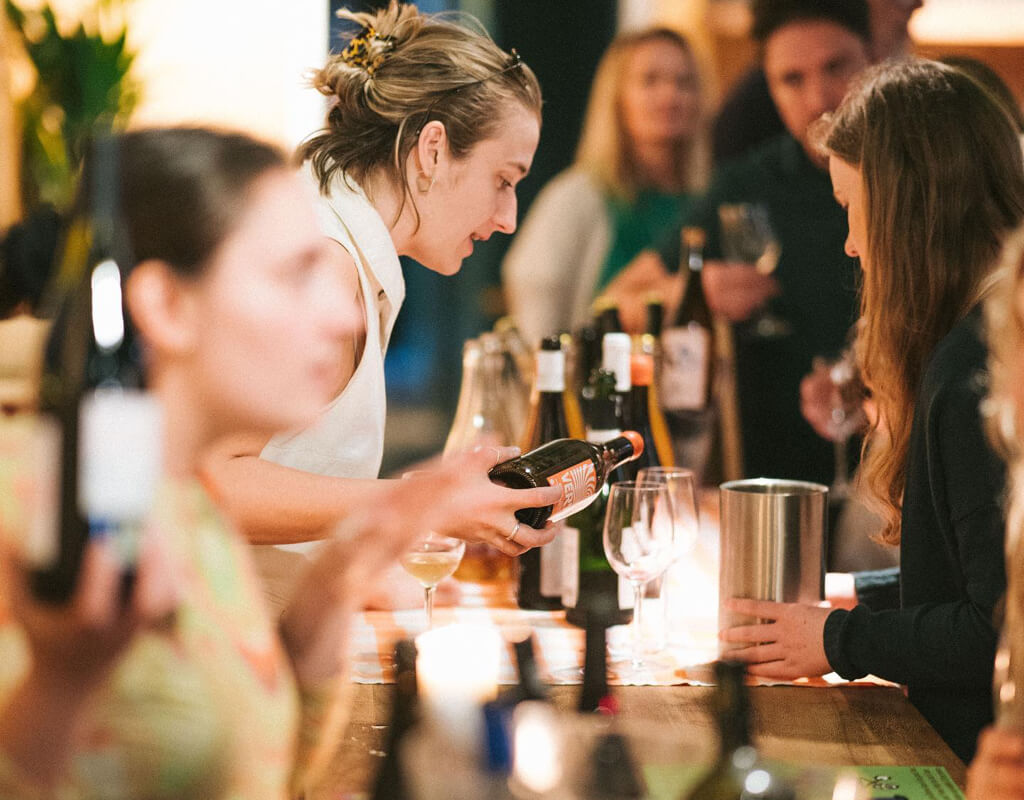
(943, 182)
(1004, 323)
(402, 70)
(604, 150)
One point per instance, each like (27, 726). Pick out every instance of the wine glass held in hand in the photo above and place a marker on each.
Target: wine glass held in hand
(432, 559)
(638, 531)
(845, 413)
(748, 237)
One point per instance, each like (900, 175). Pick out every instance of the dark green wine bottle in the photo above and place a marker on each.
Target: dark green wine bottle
(738, 773)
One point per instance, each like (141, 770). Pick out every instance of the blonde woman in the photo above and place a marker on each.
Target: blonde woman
(640, 161)
(431, 128)
(929, 170)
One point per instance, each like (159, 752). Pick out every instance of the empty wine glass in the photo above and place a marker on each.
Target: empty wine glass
(638, 535)
(681, 485)
(748, 237)
(432, 559)
(846, 416)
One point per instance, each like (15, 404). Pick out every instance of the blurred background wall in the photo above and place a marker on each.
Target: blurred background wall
(242, 64)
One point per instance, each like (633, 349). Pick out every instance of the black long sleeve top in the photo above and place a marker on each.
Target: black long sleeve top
(941, 641)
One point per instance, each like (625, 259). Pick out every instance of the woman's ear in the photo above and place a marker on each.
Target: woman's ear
(162, 307)
(431, 151)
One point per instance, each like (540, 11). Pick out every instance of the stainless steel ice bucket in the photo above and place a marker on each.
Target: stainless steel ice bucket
(773, 543)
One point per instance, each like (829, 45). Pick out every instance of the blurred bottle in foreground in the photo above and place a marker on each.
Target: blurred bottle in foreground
(738, 773)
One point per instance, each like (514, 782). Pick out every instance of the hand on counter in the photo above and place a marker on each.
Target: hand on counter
(997, 772)
(789, 645)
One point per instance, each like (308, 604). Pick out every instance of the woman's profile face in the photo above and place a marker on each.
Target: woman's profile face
(270, 315)
(475, 196)
(848, 188)
(659, 96)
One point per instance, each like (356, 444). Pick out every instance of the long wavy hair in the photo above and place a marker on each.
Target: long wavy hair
(943, 182)
(604, 150)
(411, 68)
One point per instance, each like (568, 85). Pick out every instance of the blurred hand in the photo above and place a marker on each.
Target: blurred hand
(821, 400)
(736, 290)
(644, 276)
(790, 645)
(78, 645)
(997, 772)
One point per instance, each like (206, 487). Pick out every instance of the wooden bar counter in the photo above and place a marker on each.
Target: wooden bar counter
(841, 725)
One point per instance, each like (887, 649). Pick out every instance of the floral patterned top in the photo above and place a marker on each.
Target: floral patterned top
(208, 708)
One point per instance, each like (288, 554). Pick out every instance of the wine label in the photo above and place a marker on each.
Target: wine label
(686, 363)
(120, 455)
(550, 371)
(570, 541)
(579, 486)
(551, 569)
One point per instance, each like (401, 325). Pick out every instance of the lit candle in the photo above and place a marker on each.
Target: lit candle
(457, 672)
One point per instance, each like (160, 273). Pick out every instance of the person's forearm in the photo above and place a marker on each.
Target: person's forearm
(37, 728)
(272, 504)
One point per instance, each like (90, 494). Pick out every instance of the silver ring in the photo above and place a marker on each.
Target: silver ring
(512, 536)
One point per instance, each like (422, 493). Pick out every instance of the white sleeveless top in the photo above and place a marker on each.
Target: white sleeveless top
(347, 439)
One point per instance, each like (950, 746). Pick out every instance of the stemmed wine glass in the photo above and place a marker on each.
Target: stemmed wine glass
(846, 416)
(748, 237)
(432, 559)
(681, 485)
(638, 534)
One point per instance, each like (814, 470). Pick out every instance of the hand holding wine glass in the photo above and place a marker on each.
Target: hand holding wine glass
(638, 542)
(748, 237)
(842, 415)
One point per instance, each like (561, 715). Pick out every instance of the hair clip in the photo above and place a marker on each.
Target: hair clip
(357, 54)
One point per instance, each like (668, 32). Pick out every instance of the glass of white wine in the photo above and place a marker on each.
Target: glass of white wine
(432, 559)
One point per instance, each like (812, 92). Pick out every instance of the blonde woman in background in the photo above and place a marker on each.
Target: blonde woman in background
(997, 772)
(641, 160)
(431, 128)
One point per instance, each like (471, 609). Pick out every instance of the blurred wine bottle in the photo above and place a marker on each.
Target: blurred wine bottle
(540, 568)
(104, 428)
(688, 357)
(530, 686)
(738, 773)
(390, 783)
(606, 316)
(571, 395)
(587, 574)
(645, 416)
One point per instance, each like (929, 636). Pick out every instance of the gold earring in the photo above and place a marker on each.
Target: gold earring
(424, 184)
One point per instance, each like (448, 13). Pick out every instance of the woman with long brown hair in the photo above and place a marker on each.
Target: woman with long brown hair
(929, 168)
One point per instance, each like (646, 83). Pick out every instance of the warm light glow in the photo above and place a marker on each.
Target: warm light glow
(537, 748)
(968, 22)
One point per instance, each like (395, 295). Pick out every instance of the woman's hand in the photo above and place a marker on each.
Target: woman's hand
(790, 645)
(997, 772)
(477, 510)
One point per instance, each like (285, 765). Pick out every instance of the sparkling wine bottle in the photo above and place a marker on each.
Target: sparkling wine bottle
(105, 430)
(540, 568)
(738, 773)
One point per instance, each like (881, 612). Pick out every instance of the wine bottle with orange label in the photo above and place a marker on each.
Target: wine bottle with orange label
(579, 468)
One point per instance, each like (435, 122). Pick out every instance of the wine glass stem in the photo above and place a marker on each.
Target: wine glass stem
(842, 481)
(428, 602)
(638, 631)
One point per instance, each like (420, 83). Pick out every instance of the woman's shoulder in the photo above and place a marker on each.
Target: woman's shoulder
(958, 364)
(573, 183)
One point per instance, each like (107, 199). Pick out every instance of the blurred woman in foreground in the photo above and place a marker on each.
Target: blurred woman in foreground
(189, 691)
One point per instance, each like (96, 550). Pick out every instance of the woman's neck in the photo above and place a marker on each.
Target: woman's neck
(394, 208)
(186, 431)
(658, 166)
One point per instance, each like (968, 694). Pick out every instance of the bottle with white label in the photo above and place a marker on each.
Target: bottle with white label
(688, 359)
(106, 429)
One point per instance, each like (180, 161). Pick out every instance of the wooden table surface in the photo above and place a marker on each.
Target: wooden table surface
(841, 725)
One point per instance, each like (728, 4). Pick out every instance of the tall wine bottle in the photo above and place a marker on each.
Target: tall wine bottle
(616, 354)
(540, 568)
(646, 417)
(579, 468)
(587, 575)
(390, 782)
(106, 429)
(738, 773)
(687, 371)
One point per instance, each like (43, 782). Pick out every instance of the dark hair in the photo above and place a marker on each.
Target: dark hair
(991, 82)
(26, 260)
(184, 189)
(770, 15)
